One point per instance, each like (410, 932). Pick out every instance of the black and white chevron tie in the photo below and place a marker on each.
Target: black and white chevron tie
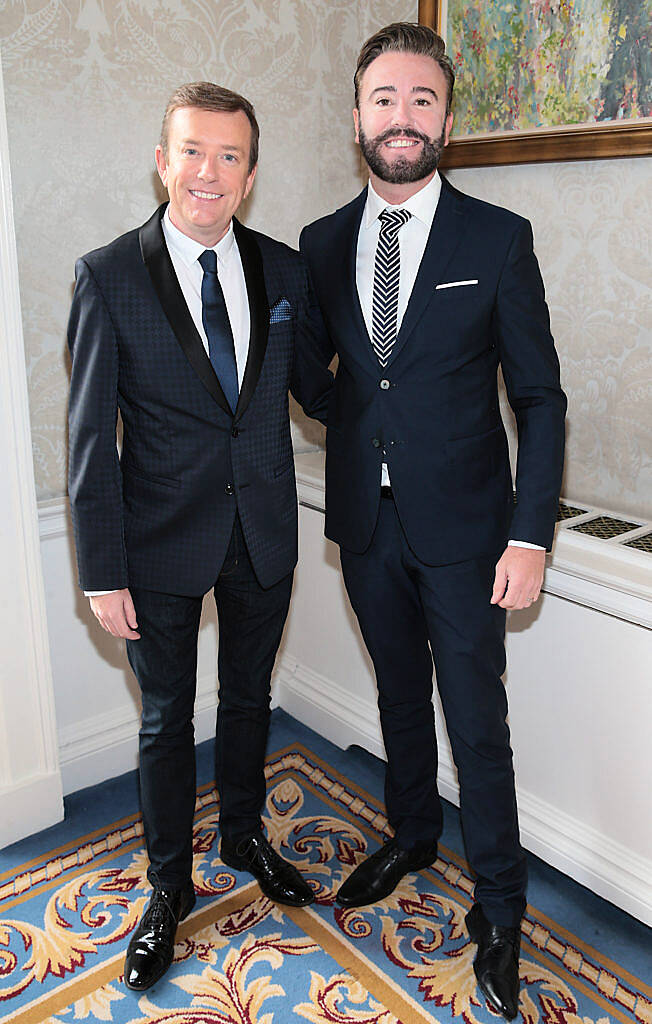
(387, 273)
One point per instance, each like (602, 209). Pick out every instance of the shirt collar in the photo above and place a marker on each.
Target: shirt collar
(421, 205)
(188, 250)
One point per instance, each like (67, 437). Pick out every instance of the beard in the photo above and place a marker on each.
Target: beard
(402, 171)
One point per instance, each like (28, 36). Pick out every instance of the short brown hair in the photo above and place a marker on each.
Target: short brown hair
(208, 96)
(405, 37)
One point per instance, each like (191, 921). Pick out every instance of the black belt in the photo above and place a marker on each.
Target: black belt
(387, 492)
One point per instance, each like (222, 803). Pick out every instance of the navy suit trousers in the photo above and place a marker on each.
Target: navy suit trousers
(410, 613)
(251, 621)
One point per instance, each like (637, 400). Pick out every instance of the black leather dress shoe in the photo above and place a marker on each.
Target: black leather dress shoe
(151, 949)
(496, 962)
(380, 873)
(280, 881)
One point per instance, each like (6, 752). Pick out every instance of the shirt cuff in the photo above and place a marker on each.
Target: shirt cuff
(525, 544)
(98, 593)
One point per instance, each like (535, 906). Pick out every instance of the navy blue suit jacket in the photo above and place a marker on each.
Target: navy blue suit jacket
(432, 414)
(160, 516)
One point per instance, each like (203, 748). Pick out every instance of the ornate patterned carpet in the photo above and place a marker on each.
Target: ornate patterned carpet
(66, 915)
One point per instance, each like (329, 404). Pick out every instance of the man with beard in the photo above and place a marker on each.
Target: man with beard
(424, 292)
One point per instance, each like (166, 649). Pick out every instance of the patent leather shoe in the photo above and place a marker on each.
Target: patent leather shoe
(279, 880)
(378, 875)
(151, 949)
(496, 962)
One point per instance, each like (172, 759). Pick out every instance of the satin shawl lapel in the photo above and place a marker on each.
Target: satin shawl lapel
(252, 264)
(445, 235)
(345, 288)
(168, 290)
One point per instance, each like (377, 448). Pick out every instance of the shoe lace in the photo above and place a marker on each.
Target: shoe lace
(160, 911)
(390, 846)
(267, 857)
(499, 938)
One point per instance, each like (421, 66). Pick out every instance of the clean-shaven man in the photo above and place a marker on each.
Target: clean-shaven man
(425, 293)
(187, 327)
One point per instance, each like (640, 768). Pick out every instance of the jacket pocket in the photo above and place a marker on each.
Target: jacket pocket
(284, 467)
(474, 459)
(128, 470)
(484, 435)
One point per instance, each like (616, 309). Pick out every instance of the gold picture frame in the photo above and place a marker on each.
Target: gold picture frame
(586, 141)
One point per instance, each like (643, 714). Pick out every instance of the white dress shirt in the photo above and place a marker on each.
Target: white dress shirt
(184, 253)
(412, 239)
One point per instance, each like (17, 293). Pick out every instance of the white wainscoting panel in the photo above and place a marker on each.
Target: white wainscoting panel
(97, 697)
(578, 682)
(30, 781)
(606, 867)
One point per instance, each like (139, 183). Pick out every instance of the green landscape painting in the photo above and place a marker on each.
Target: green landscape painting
(530, 64)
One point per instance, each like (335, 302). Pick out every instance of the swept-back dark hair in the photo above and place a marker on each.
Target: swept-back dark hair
(405, 37)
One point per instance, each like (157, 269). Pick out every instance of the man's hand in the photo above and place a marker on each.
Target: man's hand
(519, 575)
(116, 614)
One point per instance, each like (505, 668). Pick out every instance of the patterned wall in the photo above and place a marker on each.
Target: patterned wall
(86, 82)
(591, 225)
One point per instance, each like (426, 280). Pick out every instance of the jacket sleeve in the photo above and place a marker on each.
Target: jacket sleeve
(312, 381)
(94, 479)
(531, 373)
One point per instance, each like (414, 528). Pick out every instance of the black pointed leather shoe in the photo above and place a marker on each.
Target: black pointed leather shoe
(151, 949)
(280, 881)
(496, 962)
(378, 875)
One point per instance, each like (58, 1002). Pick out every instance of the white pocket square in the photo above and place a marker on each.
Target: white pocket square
(455, 284)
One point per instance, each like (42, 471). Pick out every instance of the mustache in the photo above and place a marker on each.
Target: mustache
(406, 133)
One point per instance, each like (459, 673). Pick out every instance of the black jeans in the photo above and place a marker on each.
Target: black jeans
(164, 661)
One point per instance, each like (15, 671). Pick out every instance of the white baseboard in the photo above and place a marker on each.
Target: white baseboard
(38, 800)
(106, 745)
(339, 716)
(607, 868)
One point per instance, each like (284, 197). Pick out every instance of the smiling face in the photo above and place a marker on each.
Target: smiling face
(206, 171)
(401, 123)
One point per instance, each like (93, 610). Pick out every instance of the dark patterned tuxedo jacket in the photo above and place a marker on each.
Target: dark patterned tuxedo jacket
(160, 516)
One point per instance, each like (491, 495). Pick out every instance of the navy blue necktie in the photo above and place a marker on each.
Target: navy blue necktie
(215, 318)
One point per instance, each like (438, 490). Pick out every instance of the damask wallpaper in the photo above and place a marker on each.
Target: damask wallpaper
(591, 224)
(86, 82)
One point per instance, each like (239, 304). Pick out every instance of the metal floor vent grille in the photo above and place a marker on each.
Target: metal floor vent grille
(606, 527)
(643, 543)
(568, 512)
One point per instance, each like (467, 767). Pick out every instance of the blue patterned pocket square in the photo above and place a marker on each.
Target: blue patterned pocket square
(280, 311)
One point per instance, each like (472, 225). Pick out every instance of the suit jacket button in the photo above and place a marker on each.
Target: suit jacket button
(228, 489)
(376, 442)
(385, 385)
(235, 432)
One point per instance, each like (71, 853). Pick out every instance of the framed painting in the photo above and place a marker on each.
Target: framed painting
(541, 80)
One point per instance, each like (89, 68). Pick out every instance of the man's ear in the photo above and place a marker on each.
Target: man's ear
(161, 165)
(448, 125)
(250, 181)
(356, 123)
